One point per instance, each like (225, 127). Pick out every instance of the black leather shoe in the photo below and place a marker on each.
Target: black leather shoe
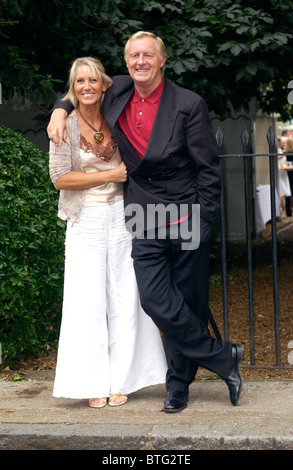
(175, 402)
(234, 380)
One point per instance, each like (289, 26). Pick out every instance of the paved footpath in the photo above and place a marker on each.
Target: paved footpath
(31, 419)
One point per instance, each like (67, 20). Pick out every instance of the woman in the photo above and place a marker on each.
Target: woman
(108, 346)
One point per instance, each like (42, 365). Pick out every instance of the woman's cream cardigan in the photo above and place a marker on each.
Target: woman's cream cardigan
(64, 159)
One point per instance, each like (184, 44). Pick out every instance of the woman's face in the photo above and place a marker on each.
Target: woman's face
(88, 87)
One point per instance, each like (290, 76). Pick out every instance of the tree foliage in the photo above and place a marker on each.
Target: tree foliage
(228, 51)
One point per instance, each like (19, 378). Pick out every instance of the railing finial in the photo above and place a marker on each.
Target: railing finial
(219, 139)
(244, 139)
(271, 138)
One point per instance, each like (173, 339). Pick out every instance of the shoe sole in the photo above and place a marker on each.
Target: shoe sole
(176, 410)
(239, 352)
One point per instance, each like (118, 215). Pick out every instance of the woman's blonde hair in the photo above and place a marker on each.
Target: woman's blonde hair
(96, 67)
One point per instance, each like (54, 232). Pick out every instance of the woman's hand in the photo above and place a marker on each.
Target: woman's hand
(119, 174)
(57, 128)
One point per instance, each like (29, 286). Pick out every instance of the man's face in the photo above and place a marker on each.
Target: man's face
(144, 62)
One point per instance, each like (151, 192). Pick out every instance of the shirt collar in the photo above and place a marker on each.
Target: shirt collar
(153, 97)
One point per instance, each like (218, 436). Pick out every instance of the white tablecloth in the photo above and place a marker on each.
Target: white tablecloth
(263, 206)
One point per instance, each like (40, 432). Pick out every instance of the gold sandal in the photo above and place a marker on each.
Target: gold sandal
(97, 402)
(117, 399)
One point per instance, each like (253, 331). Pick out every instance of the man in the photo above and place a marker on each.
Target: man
(166, 141)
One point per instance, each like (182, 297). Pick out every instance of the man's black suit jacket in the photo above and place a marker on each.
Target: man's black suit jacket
(181, 163)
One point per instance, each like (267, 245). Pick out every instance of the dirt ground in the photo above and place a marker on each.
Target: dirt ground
(263, 301)
(238, 311)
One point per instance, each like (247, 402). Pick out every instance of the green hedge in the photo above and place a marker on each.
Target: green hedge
(31, 251)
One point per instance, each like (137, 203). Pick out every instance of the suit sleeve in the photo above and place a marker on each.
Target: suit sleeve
(66, 105)
(203, 151)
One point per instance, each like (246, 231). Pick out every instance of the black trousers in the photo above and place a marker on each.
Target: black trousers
(173, 284)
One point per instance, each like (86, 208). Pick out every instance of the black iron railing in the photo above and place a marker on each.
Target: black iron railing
(272, 156)
(246, 157)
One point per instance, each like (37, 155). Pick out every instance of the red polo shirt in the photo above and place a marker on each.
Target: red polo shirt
(137, 119)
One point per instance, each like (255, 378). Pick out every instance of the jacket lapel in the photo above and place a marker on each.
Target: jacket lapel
(162, 128)
(163, 125)
(116, 106)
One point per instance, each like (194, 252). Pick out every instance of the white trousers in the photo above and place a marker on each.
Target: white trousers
(107, 343)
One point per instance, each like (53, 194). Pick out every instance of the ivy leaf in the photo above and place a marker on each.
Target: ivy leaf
(236, 49)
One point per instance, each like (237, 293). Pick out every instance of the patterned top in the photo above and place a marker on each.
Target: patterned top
(76, 154)
(104, 152)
